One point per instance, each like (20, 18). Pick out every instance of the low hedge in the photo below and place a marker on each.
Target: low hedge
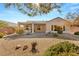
(76, 33)
(59, 31)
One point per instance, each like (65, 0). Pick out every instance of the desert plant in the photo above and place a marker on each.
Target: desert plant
(1, 34)
(62, 48)
(76, 33)
(34, 50)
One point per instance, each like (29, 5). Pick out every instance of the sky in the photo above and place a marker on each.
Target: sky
(13, 15)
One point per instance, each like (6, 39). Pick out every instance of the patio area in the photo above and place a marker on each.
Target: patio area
(43, 35)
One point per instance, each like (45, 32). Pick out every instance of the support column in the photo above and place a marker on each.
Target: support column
(62, 28)
(53, 28)
(32, 28)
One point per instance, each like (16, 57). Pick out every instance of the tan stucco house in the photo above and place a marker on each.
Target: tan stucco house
(47, 26)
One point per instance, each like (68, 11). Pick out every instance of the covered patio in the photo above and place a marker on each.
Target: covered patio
(33, 27)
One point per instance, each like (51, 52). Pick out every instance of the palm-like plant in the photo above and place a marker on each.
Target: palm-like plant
(33, 9)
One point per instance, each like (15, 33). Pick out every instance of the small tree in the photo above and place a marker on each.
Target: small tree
(34, 9)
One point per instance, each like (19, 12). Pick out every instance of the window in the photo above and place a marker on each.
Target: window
(57, 28)
(27, 28)
(52, 27)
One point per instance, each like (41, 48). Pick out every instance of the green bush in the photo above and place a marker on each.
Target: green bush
(62, 49)
(76, 33)
(59, 31)
(1, 34)
(55, 35)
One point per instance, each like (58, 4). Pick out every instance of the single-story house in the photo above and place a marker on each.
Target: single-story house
(47, 26)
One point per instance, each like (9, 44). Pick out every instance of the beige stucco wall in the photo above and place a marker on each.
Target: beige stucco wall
(48, 27)
(74, 29)
(42, 27)
(21, 26)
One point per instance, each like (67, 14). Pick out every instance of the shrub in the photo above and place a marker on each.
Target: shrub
(1, 34)
(28, 33)
(76, 33)
(34, 50)
(49, 33)
(59, 31)
(62, 49)
(55, 35)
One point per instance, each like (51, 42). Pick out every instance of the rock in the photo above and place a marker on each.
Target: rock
(25, 47)
(17, 47)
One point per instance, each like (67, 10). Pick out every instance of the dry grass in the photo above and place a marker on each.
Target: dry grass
(7, 47)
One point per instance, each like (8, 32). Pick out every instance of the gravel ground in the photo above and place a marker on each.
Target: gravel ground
(7, 47)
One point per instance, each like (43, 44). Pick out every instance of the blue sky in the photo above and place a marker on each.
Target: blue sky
(13, 15)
